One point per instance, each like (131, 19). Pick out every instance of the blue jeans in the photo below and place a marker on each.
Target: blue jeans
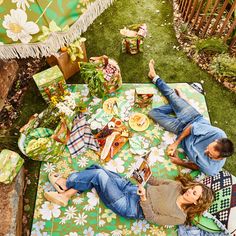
(117, 193)
(185, 113)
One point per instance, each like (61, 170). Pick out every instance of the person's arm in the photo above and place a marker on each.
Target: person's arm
(172, 148)
(152, 217)
(188, 164)
(158, 181)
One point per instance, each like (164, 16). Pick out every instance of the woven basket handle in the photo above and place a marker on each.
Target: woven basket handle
(62, 130)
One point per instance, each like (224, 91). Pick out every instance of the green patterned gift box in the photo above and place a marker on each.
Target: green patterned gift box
(50, 82)
(10, 165)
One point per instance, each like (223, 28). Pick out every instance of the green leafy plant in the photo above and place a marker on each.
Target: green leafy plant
(53, 27)
(211, 45)
(75, 50)
(183, 28)
(224, 65)
(93, 78)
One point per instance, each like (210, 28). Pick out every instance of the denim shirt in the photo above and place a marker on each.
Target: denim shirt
(202, 134)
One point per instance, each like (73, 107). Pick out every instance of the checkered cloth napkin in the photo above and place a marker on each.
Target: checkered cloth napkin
(81, 137)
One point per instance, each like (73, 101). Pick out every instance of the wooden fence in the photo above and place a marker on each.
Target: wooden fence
(211, 18)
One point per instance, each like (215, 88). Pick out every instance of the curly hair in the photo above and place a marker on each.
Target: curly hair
(203, 203)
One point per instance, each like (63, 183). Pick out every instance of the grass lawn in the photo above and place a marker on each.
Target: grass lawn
(103, 38)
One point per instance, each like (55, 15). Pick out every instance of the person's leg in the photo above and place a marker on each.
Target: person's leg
(183, 110)
(162, 117)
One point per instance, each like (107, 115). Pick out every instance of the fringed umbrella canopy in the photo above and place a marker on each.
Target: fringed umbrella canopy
(35, 28)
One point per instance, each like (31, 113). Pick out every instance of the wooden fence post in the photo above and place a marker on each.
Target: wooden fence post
(218, 17)
(197, 14)
(204, 15)
(210, 18)
(227, 18)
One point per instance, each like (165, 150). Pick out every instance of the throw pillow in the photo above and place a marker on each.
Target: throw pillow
(224, 206)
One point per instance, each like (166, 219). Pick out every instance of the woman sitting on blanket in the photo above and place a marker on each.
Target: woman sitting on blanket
(165, 202)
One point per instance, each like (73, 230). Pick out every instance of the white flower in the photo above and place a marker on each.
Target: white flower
(95, 101)
(101, 223)
(85, 90)
(186, 171)
(196, 105)
(102, 234)
(39, 225)
(129, 94)
(78, 200)
(157, 154)
(17, 26)
(81, 219)
(93, 198)
(49, 167)
(116, 165)
(35, 233)
(89, 232)
(116, 232)
(70, 212)
(82, 162)
(168, 138)
(143, 225)
(136, 228)
(72, 234)
(22, 3)
(63, 221)
(47, 187)
(89, 207)
(49, 210)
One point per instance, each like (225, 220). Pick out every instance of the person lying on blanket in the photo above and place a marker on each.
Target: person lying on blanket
(164, 202)
(205, 145)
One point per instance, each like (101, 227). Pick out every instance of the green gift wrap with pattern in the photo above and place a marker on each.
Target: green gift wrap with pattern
(40, 146)
(10, 165)
(50, 82)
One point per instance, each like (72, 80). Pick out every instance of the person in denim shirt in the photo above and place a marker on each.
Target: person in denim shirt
(205, 145)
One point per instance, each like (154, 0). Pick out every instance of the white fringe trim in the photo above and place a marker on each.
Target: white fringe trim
(219, 224)
(56, 39)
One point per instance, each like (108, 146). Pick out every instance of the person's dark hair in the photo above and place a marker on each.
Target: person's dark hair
(203, 203)
(225, 147)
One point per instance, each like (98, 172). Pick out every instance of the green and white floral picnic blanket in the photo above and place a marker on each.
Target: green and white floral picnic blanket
(86, 215)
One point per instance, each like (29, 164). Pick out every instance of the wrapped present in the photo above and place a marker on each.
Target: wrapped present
(43, 144)
(50, 82)
(10, 165)
(133, 37)
(143, 96)
(68, 66)
(111, 72)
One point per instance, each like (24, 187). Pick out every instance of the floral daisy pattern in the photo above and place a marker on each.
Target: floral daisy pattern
(86, 214)
(17, 27)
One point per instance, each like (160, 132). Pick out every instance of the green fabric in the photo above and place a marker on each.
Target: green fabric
(62, 12)
(49, 79)
(86, 213)
(41, 147)
(10, 165)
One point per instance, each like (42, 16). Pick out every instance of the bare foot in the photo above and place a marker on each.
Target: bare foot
(152, 72)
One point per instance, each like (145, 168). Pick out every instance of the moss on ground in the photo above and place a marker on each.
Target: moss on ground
(103, 38)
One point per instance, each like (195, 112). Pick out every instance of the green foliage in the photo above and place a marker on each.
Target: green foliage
(183, 28)
(211, 45)
(224, 65)
(53, 27)
(75, 50)
(93, 78)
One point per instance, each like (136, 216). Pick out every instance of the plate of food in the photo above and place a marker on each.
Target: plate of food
(138, 122)
(110, 106)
